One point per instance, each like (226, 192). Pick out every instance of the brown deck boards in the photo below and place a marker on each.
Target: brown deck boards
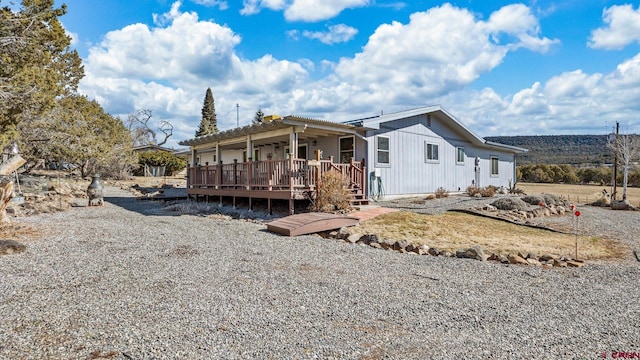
(308, 223)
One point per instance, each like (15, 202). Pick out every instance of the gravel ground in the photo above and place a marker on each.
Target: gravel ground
(128, 281)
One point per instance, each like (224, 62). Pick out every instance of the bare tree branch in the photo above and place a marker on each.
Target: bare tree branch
(167, 129)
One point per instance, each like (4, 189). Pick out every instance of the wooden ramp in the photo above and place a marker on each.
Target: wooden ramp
(308, 223)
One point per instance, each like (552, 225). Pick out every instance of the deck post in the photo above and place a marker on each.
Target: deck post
(269, 206)
(291, 206)
(235, 176)
(249, 173)
(219, 174)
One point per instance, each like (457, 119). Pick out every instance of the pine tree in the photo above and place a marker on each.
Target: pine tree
(37, 65)
(209, 123)
(259, 118)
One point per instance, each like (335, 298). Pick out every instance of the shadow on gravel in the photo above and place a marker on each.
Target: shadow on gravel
(146, 207)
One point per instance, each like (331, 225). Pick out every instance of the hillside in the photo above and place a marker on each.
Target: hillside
(560, 149)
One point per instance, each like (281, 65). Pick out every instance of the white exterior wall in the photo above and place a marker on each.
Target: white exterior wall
(410, 173)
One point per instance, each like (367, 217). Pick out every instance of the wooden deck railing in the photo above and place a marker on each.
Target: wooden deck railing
(273, 175)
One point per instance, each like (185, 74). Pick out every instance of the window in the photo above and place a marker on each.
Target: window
(302, 151)
(382, 150)
(494, 166)
(347, 149)
(460, 155)
(431, 152)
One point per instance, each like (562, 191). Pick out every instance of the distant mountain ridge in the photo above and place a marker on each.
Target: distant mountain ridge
(577, 150)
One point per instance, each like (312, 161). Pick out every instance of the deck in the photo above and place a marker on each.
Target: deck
(290, 179)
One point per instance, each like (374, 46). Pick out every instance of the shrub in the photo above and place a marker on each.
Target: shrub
(488, 191)
(442, 193)
(533, 199)
(551, 199)
(510, 203)
(332, 193)
(172, 163)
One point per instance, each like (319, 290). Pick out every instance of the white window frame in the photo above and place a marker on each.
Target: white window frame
(497, 167)
(378, 150)
(426, 152)
(460, 149)
(353, 151)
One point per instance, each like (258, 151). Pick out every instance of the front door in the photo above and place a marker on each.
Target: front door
(302, 151)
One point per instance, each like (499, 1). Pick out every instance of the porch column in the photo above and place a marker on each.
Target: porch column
(293, 144)
(249, 165)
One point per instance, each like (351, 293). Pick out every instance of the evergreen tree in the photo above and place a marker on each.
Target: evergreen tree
(209, 123)
(259, 118)
(37, 66)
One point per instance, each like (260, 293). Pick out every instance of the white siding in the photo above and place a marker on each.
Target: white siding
(409, 173)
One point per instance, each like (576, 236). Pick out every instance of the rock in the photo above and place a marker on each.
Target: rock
(333, 234)
(553, 211)
(446, 254)
(411, 248)
(557, 263)
(8, 247)
(353, 238)
(621, 205)
(546, 257)
(475, 253)
(636, 253)
(533, 262)
(424, 249)
(575, 263)
(400, 245)
(517, 259)
(375, 245)
(532, 256)
(368, 239)
(343, 233)
(489, 208)
(387, 243)
(433, 251)
(561, 210)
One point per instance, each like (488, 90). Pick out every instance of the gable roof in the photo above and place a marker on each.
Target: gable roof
(374, 122)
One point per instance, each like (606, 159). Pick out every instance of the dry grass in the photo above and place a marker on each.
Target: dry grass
(18, 232)
(580, 194)
(455, 231)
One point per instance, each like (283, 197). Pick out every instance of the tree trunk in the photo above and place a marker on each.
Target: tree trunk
(6, 193)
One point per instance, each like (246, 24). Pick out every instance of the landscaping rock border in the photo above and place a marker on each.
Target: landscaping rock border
(474, 252)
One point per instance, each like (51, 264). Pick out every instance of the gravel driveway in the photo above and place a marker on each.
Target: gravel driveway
(127, 281)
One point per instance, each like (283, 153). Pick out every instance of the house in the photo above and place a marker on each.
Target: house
(420, 150)
(409, 152)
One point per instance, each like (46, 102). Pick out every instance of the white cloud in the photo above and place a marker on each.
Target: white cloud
(623, 28)
(429, 60)
(168, 67)
(337, 34)
(438, 51)
(250, 7)
(569, 103)
(317, 10)
(222, 4)
(303, 10)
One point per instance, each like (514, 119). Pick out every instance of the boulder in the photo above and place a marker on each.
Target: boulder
(517, 259)
(400, 245)
(353, 238)
(475, 253)
(533, 262)
(434, 251)
(558, 263)
(423, 249)
(546, 257)
(375, 245)
(621, 205)
(575, 263)
(8, 247)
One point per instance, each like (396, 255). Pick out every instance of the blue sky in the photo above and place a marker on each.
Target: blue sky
(503, 68)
